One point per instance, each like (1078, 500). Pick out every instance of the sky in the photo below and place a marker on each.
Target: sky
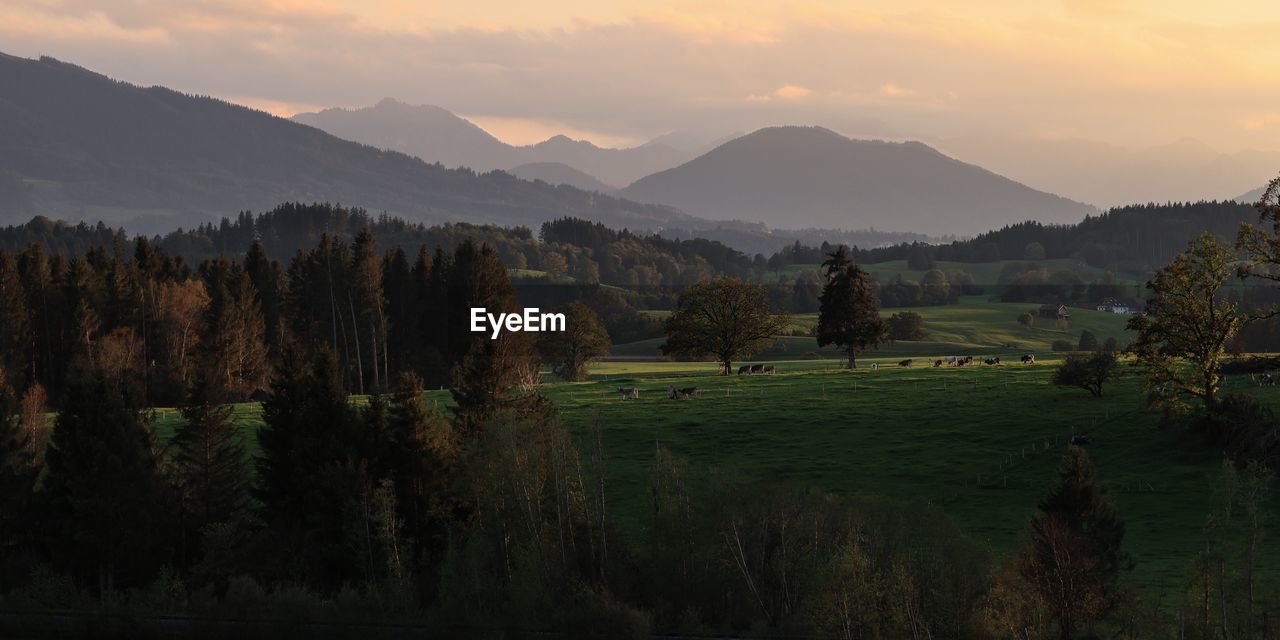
(1133, 73)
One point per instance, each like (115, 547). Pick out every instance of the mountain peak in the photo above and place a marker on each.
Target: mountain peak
(810, 176)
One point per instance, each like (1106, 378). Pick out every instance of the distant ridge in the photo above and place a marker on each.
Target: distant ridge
(560, 173)
(812, 177)
(81, 146)
(437, 135)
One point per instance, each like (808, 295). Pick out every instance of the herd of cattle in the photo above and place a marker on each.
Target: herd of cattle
(953, 361)
(633, 393)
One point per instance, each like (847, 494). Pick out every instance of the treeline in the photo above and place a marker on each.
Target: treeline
(569, 247)
(137, 311)
(1135, 238)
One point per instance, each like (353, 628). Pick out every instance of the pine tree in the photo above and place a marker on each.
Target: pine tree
(15, 336)
(1074, 558)
(266, 278)
(17, 480)
(210, 462)
(847, 313)
(108, 506)
(304, 482)
(484, 369)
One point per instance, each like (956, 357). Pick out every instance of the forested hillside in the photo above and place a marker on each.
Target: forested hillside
(79, 145)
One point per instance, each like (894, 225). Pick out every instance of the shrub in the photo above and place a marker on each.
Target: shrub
(1087, 371)
(907, 325)
(1088, 341)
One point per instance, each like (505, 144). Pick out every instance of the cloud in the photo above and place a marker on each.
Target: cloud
(891, 90)
(1158, 70)
(787, 92)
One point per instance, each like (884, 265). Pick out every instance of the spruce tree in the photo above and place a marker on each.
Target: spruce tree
(304, 483)
(17, 480)
(847, 313)
(109, 509)
(1074, 558)
(209, 461)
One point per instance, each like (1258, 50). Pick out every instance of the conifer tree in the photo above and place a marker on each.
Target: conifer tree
(847, 313)
(109, 508)
(304, 481)
(17, 480)
(1074, 558)
(209, 461)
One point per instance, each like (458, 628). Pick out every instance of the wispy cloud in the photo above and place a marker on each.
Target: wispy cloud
(1138, 71)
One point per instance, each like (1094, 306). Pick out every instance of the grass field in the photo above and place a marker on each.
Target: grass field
(984, 273)
(981, 442)
(974, 325)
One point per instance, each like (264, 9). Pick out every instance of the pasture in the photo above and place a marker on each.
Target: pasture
(974, 325)
(985, 274)
(980, 441)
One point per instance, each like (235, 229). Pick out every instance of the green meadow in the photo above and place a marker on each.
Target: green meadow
(974, 325)
(980, 441)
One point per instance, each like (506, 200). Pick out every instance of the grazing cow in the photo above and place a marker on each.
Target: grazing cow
(1265, 380)
(875, 365)
(631, 393)
(768, 368)
(757, 368)
(992, 361)
(951, 359)
(746, 368)
(1029, 358)
(937, 363)
(676, 394)
(905, 363)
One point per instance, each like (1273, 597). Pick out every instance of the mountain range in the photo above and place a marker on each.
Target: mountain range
(437, 135)
(80, 146)
(814, 177)
(1107, 175)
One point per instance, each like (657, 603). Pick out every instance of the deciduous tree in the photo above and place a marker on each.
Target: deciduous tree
(1188, 323)
(582, 341)
(722, 317)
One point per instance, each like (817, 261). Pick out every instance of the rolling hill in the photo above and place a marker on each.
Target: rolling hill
(560, 173)
(436, 135)
(81, 146)
(813, 177)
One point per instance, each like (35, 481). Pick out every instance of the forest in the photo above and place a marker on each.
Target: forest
(354, 498)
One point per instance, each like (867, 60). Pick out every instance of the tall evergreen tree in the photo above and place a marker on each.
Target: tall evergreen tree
(17, 480)
(15, 338)
(483, 369)
(303, 485)
(109, 509)
(1073, 558)
(847, 313)
(267, 283)
(209, 459)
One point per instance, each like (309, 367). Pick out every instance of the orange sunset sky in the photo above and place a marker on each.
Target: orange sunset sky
(1131, 73)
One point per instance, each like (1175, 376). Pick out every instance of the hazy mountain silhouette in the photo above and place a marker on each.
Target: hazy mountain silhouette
(560, 173)
(812, 177)
(78, 145)
(1107, 175)
(436, 135)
